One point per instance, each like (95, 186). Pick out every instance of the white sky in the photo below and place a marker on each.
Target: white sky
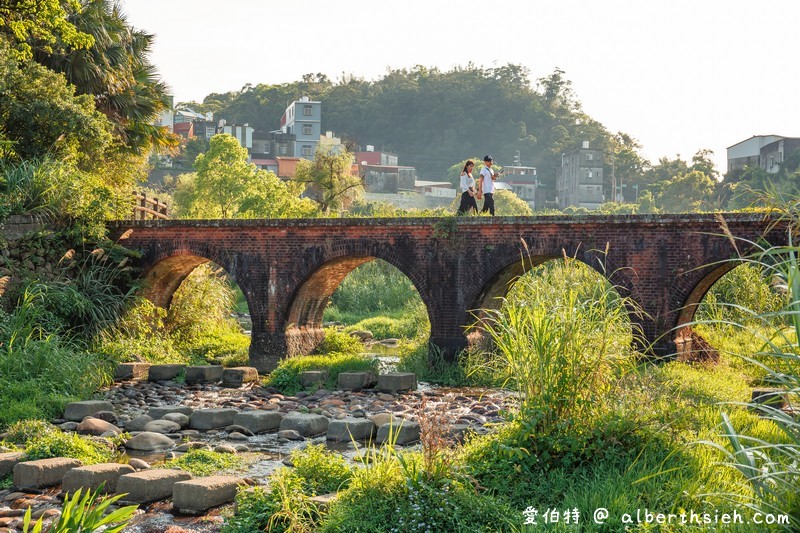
(678, 75)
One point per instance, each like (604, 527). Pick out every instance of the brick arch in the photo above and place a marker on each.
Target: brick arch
(165, 270)
(510, 266)
(321, 273)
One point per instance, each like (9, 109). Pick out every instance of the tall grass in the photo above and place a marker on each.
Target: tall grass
(562, 339)
(773, 469)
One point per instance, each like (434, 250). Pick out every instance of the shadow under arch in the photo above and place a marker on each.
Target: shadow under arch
(165, 276)
(691, 303)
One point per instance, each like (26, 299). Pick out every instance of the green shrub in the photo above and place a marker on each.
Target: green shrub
(59, 444)
(339, 342)
(287, 376)
(205, 462)
(320, 470)
(21, 432)
(280, 507)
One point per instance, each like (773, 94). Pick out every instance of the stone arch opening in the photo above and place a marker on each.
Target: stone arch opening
(318, 290)
(542, 280)
(206, 293)
(727, 309)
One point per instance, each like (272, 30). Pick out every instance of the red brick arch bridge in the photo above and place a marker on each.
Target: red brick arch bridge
(288, 269)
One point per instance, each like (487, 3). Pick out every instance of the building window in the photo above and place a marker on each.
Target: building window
(589, 157)
(307, 110)
(283, 149)
(308, 129)
(307, 151)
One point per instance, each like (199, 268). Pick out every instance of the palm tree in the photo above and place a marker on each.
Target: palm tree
(117, 71)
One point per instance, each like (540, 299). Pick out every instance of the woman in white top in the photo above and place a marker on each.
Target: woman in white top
(467, 190)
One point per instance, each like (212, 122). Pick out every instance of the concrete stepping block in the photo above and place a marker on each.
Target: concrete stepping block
(406, 433)
(77, 411)
(7, 462)
(150, 485)
(162, 426)
(238, 376)
(355, 381)
(164, 372)
(95, 426)
(149, 441)
(258, 421)
(203, 374)
(205, 419)
(397, 381)
(92, 476)
(347, 429)
(312, 378)
(199, 495)
(134, 371)
(159, 412)
(306, 424)
(43, 472)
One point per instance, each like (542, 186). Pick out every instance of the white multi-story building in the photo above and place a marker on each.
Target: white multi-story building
(303, 119)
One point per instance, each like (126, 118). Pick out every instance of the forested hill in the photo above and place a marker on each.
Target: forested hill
(434, 119)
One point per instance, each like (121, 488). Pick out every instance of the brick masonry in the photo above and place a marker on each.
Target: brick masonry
(288, 269)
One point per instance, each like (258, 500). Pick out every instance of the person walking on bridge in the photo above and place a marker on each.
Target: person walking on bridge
(486, 185)
(468, 193)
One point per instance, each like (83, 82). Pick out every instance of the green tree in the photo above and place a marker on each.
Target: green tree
(41, 115)
(329, 179)
(692, 191)
(509, 204)
(41, 26)
(225, 185)
(116, 71)
(626, 162)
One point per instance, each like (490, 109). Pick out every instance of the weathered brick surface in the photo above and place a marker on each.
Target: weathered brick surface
(288, 269)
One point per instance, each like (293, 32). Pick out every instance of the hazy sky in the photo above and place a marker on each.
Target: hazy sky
(678, 75)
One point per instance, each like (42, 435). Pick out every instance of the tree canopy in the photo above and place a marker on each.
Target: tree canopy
(225, 185)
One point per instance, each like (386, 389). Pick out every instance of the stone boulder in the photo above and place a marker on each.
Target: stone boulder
(162, 426)
(355, 381)
(134, 371)
(8, 461)
(138, 423)
(164, 372)
(179, 418)
(95, 426)
(147, 441)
